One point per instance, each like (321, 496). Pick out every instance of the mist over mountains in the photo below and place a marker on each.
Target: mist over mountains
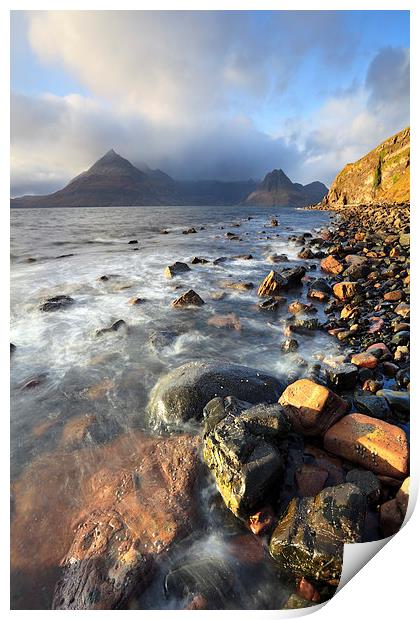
(114, 181)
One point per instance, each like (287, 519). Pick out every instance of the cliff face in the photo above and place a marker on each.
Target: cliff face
(380, 177)
(278, 190)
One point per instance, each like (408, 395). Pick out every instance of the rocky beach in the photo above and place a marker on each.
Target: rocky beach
(233, 466)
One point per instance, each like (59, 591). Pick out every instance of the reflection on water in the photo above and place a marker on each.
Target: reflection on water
(75, 394)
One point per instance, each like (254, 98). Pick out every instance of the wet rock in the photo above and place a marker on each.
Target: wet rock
(345, 290)
(393, 296)
(289, 345)
(274, 222)
(306, 253)
(398, 401)
(175, 269)
(355, 272)
(298, 306)
(332, 464)
(364, 360)
(12, 348)
(59, 302)
(229, 321)
(198, 260)
(220, 260)
(373, 444)
(276, 282)
(367, 482)
(247, 454)
(243, 257)
(278, 258)
(311, 408)
(272, 304)
(129, 502)
(375, 406)
(136, 301)
(331, 265)
(403, 310)
(309, 538)
(305, 325)
(115, 327)
(342, 376)
(34, 382)
(190, 298)
(184, 392)
(401, 338)
(218, 408)
(189, 231)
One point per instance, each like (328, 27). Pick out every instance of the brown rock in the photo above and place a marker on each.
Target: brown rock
(272, 285)
(311, 408)
(176, 269)
(237, 286)
(100, 390)
(393, 296)
(190, 298)
(261, 521)
(364, 360)
(298, 306)
(390, 518)
(332, 464)
(76, 430)
(374, 444)
(403, 310)
(331, 265)
(345, 290)
(307, 591)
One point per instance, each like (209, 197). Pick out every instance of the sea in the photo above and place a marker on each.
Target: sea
(61, 369)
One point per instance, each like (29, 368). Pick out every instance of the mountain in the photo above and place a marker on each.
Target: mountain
(278, 190)
(114, 181)
(380, 177)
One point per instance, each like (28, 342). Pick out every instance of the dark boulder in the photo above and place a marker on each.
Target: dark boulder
(182, 394)
(56, 303)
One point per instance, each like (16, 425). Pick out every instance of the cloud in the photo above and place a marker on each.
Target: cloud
(183, 91)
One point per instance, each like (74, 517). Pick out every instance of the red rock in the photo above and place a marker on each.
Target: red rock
(246, 548)
(374, 444)
(199, 601)
(332, 464)
(310, 479)
(298, 306)
(320, 295)
(390, 518)
(345, 290)
(364, 360)
(261, 521)
(331, 265)
(311, 408)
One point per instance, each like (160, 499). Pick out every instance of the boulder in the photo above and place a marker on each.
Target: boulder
(373, 444)
(342, 376)
(311, 408)
(182, 394)
(364, 360)
(198, 260)
(309, 537)
(276, 282)
(367, 482)
(247, 454)
(190, 298)
(175, 269)
(398, 401)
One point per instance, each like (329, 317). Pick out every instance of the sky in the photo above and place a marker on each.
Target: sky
(204, 94)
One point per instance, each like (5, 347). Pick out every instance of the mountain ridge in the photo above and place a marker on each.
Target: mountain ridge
(277, 189)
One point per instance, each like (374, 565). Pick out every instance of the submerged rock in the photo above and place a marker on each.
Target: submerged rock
(247, 455)
(309, 538)
(56, 303)
(182, 394)
(115, 327)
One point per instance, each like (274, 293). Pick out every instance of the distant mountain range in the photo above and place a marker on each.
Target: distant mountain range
(114, 181)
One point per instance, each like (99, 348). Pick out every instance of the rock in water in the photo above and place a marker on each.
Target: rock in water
(57, 303)
(182, 394)
(176, 269)
(309, 538)
(311, 408)
(276, 282)
(190, 298)
(247, 454)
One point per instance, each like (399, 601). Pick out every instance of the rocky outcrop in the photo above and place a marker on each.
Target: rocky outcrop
(381, 176)
(182, 394)
(277, 282)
